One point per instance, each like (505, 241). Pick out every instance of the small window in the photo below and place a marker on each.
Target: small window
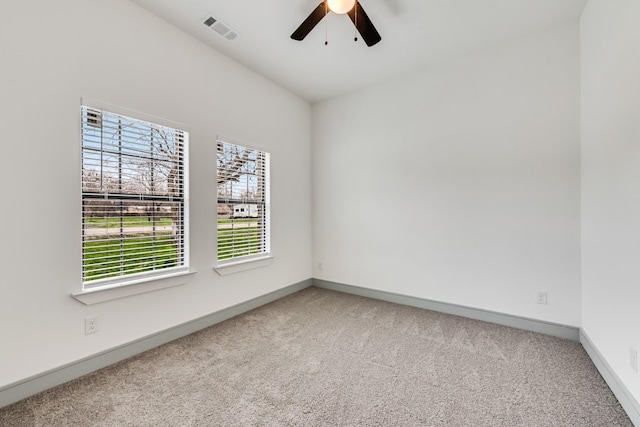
(243, 202)
(134, 193)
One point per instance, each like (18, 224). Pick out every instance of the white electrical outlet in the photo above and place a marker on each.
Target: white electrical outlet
(541, 297)
(633, 359)
(91, 325)
(319, 266)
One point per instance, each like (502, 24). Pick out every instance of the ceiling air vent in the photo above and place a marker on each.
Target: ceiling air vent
(219, 27)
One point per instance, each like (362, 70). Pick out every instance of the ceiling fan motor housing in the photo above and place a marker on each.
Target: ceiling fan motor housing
(341, 6)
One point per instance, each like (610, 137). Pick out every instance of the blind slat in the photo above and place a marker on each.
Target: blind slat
(133, 183)
(243, 205)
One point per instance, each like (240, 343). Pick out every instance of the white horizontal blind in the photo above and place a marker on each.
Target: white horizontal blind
(133, 197)
(243, 201)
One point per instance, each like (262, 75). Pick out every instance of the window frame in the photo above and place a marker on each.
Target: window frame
(99, 290)
(236, 264)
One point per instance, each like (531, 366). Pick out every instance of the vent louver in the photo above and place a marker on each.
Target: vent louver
(222, 29)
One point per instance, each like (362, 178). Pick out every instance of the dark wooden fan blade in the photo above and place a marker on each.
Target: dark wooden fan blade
(309, 23)
(364, 25)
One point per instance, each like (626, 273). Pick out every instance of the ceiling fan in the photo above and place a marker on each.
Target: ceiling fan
(352, 8)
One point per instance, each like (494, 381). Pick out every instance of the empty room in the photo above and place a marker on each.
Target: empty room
(376, 212)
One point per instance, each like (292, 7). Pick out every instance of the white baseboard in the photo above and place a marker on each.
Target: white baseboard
(41, 382)
(547, 328)
(622, 393)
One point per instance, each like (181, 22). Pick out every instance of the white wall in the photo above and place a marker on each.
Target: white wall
(460, 183)
(610, 135)
(53, 53)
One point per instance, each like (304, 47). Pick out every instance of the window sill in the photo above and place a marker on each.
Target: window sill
(243, 265)
(134, 287)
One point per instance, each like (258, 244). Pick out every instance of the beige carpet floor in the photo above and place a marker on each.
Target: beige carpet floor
(323, 358)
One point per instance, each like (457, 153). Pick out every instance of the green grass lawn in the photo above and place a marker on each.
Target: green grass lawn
(236, 220)
(127, 221)
(114, 257)
(235, 242)
(136, 254)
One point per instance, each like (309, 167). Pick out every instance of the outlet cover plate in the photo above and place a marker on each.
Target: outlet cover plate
(90, 325)
(541, 297)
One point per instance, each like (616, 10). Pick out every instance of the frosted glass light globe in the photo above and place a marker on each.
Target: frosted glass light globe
(341, 6)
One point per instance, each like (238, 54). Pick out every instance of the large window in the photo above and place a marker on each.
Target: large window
(243, 202)
(134, 194)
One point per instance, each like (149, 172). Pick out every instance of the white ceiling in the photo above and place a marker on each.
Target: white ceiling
(414, 34)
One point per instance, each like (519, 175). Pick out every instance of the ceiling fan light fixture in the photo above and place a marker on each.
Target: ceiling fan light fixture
(356, 13)
(341, 6)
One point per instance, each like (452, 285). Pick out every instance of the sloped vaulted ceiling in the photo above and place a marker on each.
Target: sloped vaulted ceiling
(414, 34)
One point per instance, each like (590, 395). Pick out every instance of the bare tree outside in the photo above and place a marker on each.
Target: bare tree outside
(241, 192)
(133, 188)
